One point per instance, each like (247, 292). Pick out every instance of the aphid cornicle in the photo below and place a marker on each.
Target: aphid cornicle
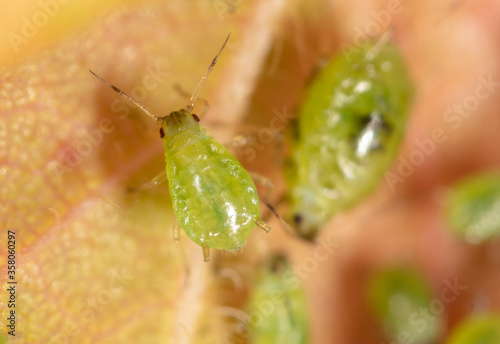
(349, 128)
(213, 196)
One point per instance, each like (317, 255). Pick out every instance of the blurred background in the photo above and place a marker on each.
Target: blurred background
(97, 263)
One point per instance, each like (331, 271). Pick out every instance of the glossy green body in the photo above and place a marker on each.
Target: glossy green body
(473, 208)
(214, 198)
(349, 128)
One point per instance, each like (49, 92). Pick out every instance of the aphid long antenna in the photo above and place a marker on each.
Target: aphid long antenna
(126, 96)
(280, 219)
(386, 37)
(190, 106)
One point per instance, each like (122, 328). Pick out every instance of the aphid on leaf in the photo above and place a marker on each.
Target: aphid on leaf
(350, 126)
(214, 198)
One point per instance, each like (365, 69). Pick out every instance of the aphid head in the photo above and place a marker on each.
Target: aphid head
(309, 213)
(177, 122)
(306, 225)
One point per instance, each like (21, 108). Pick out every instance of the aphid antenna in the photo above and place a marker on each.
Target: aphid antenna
(280, 219)
(148, 112)
(190, 106)
(386, 37)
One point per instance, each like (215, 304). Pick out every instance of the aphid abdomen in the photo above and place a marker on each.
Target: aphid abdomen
(213, 197)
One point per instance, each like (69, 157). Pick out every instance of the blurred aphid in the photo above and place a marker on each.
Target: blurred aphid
(473, 208)
(477, 329)
(277, 307)
(401, 300)
(350, 126)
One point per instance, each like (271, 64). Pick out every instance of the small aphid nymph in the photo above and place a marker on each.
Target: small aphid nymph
(213, 196)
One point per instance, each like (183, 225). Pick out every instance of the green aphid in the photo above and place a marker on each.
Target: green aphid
(477, 329)
(213, 196)
(350, 126)
(277, 308)
(473, 208)
(397, 297)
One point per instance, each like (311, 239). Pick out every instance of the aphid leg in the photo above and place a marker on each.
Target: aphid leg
(183, 93)
(234, 276)
(270, 186)
(157, 180)
(126, 96)
(160, 178)
(262, 224)
(206, 253)
(177, 238)
(264, 181)
(251, 138)
(386, 37)
(234, 313)
(280, 219)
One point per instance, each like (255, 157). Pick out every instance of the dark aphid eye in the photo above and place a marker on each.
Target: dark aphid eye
(277, 263)
(196, 119)
(297, 219)
(162, 133)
